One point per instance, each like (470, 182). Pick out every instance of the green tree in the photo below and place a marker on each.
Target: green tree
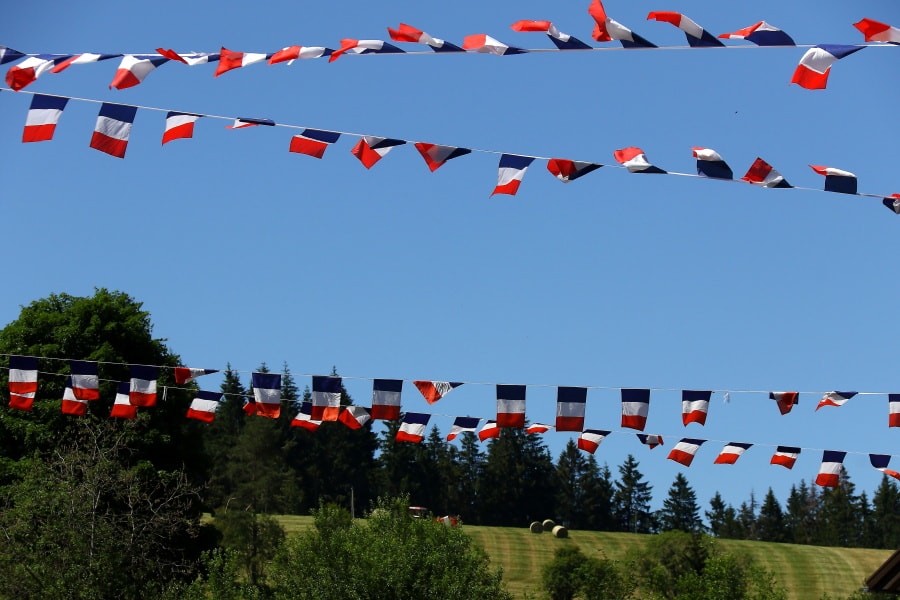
(562, 576)
(573, 574)
(802, 514)
(840, 515)
(885, 518)
(666, 558)
(632, 499)
(722, 518)
(680, 509)
(727, 576)
(254, 538)
(770, 524)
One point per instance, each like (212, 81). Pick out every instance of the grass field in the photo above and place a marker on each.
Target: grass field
(808, 572)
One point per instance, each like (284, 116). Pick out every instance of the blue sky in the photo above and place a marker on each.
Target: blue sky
(245, 253)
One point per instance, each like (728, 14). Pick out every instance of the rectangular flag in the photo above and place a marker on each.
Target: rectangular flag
(179, 126)
(830, 469)
(730, 453)
(761, 34)
(510, 173)
(437, 156)
(292, 53)
(590, 439)
(122, 407)
(569, 170)
(229, 59)
(535, 428)
(386, 399)
(134, 69)
(408, 33)
(635, 407)
(650, 440)
(893, 410)
(203, 406)
(815, 65)
(881, 462)
(27, 71)
(785, 456)
(634, 159)
(764, 175)
(303, 418)
(711, 164)
(369, 149)
(433, 391)
(267, 394)
(510, 405)
(874, 31)
(413, 428)
(837, 180)
(835, 399)
(42, 117)
(696, 35)
(355, 417)
(462, 424)
(85, 379)
(313, 142)
(685, 450)
(71, 405)
(143, 385)
(694, 406)
(113, 129)
(785, 400)
(326, 397)
(490, 430)
(85, 58)
(570, 408)
(185, 374)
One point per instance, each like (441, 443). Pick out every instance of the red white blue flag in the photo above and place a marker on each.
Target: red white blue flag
(84, 379)
(267, 394)
(607, 30)
(326, 397)
(9, 55)
(351, 46)
(229, 59)
(875, 31)
(561, 40)
(785, 400)
(43, 115)
(635, 408)
(485, 44)
(490, 430)
(815, 66)
(113, 129)
(313, 142)
(134, 69)
(892, 203)
(179, 126)
(694, 406)
(122, 407)
(696, 35)
(731, 452)
(386, 399)
(835, 399)
(763, 174)
(761, 34)
(81, 59)
(785, 456)
(369, 149)
(355, 417)
(893, 410)
(570, 408)
(651, 440)
(185, 374)
(71, 405)
(881, 462)
(433, 391)
(191, 59)
(242, 122)
(292, 53)
(510, 173)
(590, 439)
(837, 180)
(569, 170)
(408, 33)
(461, 425)
(142, 390)
(510, 405)
(27, 72)
(711, 164)
(304, 420)
(436, 156)
(685, 450)
(538, 428)
(203, 406)
(23, 381)
(635, 161)
(412, 429)
(830, 469)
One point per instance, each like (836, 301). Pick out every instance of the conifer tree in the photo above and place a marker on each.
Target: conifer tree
(680, 510)
(770, 523)
(632, 499)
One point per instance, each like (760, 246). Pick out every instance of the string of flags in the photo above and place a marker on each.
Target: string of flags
(811, 72)
(82, 385)
(112, 132)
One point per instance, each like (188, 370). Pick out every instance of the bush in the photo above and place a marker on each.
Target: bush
(571, 573)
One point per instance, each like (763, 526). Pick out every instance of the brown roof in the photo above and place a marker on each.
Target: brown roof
(886, 578)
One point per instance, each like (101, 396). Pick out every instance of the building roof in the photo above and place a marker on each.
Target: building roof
(886, 578)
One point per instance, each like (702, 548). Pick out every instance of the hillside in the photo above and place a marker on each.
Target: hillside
(808, 572)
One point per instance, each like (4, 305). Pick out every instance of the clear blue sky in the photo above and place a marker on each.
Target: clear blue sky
(245, 253)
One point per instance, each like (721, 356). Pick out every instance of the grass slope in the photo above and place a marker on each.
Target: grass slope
(808, 572)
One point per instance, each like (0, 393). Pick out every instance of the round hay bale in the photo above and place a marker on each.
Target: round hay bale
(548, 525)
(536, 527)
(560, 532)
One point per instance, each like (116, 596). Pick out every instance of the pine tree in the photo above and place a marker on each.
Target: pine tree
(471, 464)
(597, 486)
(838, 516)
(221, 436)
(802, 514)
(632, 499)
(770, 523)
(722, 518)
(746, 518)
(680, 510)
(885, 518)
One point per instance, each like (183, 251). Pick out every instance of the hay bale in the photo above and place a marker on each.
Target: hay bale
(548, 525)
(560, 532)
(536, 527)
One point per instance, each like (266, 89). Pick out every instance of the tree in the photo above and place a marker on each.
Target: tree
(390, 556)
(770, 523)
(584, 491)
(572, 573)
(632, 499)
(680, 509)
(722, 518)
(839, 515)
(885, 532)
(802, 514)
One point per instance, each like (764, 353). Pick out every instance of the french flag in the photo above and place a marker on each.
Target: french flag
(785, 456)
(635, 161)
(537, 428)
(837, 180)
(763, 174)
(814, 67)
(731, 452)
(635, 407)
(835, 399)
(590, 439)
(485, 44)
(876, 32)
(179, 126)
(412, 429)
(122, 407)
(570, 407)
(711, 164)
(142, 390)
(510, 405)
(685, 450)
(364, 47)
(433, 391)
(43, 115)
(81, 59)
(229, 59)
(203, 406)
(191, 59)
(761, 34)
(510, 173)
(696, 35)
(249, 407)
(71, 405)
(830, 469)
(893, 410)
(561, 40)
(326, 397)
(461, 425)
(650, 440)
(9, 55)
(386, 399)
(267, 394)
(607, 30)
(185, 374)
(27, 72)
(490, 430)
(881, 462)
(569, 170)
(694, 406)
(304, 420)
(408, 33)
(436, 156)
(134, 69)
(242, 122)
(113, 129)
(892, 202)
(292, 53)
(313, 142)
(785, 400)
(84, 379)
(369, 149)
(355, 417)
